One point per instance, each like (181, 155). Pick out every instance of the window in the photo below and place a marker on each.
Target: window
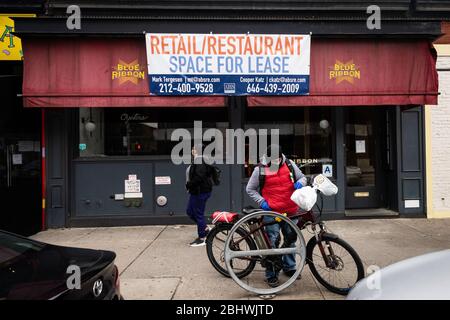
(144, 131)
(305, 134)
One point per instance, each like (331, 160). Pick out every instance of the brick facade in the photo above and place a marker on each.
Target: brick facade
(439, 140)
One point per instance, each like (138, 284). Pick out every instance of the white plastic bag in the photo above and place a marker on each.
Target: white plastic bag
(305, 198)
(324, 185)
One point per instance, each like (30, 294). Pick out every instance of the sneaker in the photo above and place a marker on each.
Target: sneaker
(197, 242)
(273, 282)
(290, 273)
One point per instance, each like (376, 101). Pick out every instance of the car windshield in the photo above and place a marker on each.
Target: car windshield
(13, 247)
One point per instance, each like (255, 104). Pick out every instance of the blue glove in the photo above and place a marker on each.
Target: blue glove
(265, 206)
(298, 185)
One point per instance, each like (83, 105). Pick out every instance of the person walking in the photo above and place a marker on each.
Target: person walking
(199, 186)
(271, 185)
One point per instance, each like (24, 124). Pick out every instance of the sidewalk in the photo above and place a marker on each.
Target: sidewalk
(156, 262)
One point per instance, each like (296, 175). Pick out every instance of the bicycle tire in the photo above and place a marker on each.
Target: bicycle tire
(357, 260)
(220, 228)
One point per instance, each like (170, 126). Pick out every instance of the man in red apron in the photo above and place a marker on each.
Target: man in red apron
(271, 186)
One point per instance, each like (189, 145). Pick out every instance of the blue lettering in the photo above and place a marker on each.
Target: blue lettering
(181, 63)
(199, 64)
(190, 66)
(268, 66)
(173, 64)
(208, 64)
(276, 65)
(239, 65)
(259, 64)
(250, 70)
(229, 64)
(220, 63)
(285, 64)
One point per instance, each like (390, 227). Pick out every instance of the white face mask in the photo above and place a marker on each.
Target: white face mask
(276, 161)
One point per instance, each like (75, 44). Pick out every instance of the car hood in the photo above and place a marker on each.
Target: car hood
(425, 277)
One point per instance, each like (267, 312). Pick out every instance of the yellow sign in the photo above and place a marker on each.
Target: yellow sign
(124, 72)
(10, 45)
(344, 72)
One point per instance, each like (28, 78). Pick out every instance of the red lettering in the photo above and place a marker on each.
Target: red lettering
(212, 45)
(222, 45)
(279, 46)
(268, 42)
(248, 46)
(231, 45)
(154, 43)
(299, 40)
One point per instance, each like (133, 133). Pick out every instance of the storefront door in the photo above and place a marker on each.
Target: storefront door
(365, 150)
(20, 162)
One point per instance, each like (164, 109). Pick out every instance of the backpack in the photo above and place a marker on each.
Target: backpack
(215, 174)
(262, 177)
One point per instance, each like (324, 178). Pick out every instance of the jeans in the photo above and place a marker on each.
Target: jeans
(273, 232)
(196, 211)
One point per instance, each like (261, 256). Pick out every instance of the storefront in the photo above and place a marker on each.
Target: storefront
(362, 122)
(20, 133)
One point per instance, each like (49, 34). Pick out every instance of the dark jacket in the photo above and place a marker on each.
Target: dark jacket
(199, 178)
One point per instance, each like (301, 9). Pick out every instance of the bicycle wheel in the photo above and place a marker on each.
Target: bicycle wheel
(215, 245)
(293, 247)
(345, 266)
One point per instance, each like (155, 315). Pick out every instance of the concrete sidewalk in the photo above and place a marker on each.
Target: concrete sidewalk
(156, 262)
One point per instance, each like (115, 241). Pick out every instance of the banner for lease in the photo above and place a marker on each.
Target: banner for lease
(228, 64)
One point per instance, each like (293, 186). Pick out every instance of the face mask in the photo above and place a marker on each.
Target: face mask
(276, 162)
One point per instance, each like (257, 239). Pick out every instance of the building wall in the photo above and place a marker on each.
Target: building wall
(438, 142)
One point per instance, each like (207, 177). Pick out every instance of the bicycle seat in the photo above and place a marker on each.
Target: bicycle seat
(248, 210)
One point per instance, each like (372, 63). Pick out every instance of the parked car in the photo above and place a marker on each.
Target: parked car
(34, 270)
(425, 277)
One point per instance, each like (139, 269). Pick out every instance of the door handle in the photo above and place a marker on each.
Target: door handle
(8, 167)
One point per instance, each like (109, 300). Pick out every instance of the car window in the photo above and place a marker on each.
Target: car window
(12, 247)
(17, 262)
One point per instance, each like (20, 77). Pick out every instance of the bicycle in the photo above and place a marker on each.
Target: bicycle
(241, 243)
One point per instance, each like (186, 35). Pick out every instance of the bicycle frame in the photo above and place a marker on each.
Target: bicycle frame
(318, 227)
(251, 227)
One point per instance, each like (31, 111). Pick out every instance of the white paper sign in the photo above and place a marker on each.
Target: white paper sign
(26, 146)
(327, 170)
(118, 197)
(133, 195)
(360, 146)
(162, 180)
(132, 177)
(132, 186)
(17, 158)
(412, 204)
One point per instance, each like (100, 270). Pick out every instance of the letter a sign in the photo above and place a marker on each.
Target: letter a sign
(327, 170)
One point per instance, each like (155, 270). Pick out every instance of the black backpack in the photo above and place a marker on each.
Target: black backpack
(262, 177)
(215, 174)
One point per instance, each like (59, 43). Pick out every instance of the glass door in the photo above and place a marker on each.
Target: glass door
(20, 160)
(363, 150)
